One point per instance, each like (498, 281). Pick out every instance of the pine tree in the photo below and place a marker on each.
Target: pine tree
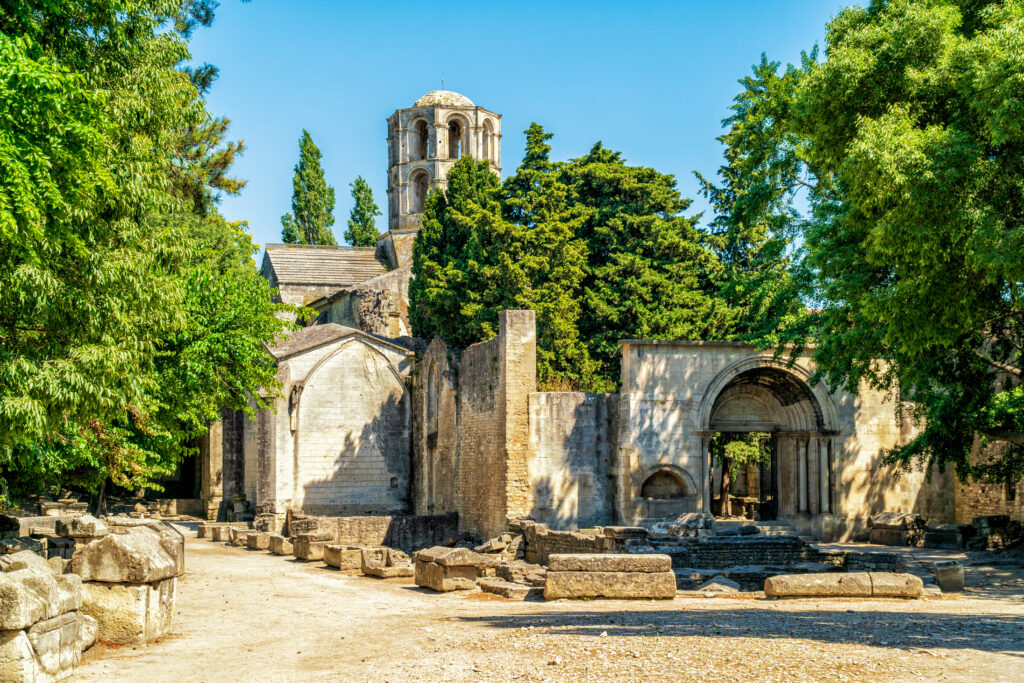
(538, 203)
(649, 273)
(312, 214)
(362, 232)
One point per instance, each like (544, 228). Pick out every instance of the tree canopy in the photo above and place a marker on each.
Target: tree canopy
(130, 311)
(312, 214)
(908, 139)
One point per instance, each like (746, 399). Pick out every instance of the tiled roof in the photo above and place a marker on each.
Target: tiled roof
(318, 335)
(315, 265)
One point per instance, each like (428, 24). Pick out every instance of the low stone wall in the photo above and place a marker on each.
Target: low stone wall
(407, 532)
(542, 542)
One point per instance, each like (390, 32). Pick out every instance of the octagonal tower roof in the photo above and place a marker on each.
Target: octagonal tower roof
(444, 98)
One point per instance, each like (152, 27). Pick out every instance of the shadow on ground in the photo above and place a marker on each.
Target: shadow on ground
(989, 633)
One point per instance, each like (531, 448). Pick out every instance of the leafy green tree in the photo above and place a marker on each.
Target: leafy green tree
(908, 137)
(756, 218)
(312, 214)
(538, 202)
(649, 272)
(123, 327)
(362, 231)
(465, 266)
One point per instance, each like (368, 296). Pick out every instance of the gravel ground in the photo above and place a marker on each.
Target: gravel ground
(248, 615)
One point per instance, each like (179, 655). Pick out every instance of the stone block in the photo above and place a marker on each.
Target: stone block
(507, 589)
(130, 613)
(219, 534)
(604, 584)
(88, 627)
(719, 584)
(15, 545)
(23, 559)
(458, 557)
(314, 536)
(625, 532)
(893, 585)
(55, 643)
(949, 575)
(610, 563)
(138, 555)
(69, 593)
(27, 596)
(443, 579)
(846, 585)
(382, 572)
(258, 541)
(85, 526)
(307, 550)
(344, 557)
(279, 545)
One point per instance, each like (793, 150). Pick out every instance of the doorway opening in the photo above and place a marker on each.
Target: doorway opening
(744, 475)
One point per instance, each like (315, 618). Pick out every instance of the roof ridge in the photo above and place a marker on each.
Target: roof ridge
(325, 247)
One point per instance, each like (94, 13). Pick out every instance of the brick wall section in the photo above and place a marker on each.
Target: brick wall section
(518, 340)
(481, 469)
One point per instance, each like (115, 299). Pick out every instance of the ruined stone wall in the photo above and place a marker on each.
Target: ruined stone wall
(435, 424)
(379, 305)
(481, 446)
(572, 437)
(517, 338)
(407, 532)
(978, 499)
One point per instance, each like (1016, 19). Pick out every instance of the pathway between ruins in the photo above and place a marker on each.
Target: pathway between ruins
(252, 616)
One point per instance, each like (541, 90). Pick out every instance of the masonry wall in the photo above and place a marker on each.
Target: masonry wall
(435, 429)
(481, 472)
(572, 437)
(405, 532)
(979, 499)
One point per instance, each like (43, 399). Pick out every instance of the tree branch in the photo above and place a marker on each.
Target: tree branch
(1009, 369)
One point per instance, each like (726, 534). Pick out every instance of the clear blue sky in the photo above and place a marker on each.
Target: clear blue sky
(651, 79)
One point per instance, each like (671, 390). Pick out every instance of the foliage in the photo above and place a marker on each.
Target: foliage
(733, 451)
(756, 218)
(362, 232)
(649, 272)
(130, 312)
(908, 138)
(312, 214)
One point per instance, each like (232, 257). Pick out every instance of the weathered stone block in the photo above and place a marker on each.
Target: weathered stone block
(457, 557)
(344, 557)
(851, 585)
(599, 584)
(949, 575)
(258, 541)
(56, 644)
(893, 585)
(87, 630)
(138, 555)
(443, 579)
(85, 526)
(382, 572)
(719, 584)
(507, 589)
(307, 550)
(27, 596)
(130, 613)
(23, 559)
(610, 563)
(279, 545)
(219, 534)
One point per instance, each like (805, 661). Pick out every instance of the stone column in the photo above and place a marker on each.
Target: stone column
(211, 469)
(705, 473)
(813, 496)
(823, 488)
(801, 457)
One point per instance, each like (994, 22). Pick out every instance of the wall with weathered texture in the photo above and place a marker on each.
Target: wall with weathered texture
(676, 395)
(379, 305)
(979, 499)
(405, 532)
(572, 437)
(496, 378)
(435, 429)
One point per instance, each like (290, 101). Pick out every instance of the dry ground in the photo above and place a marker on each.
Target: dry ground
(251, 616)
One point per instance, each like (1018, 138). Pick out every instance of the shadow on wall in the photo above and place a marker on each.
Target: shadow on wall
(987, 632)
(571, 469)
(371, 471)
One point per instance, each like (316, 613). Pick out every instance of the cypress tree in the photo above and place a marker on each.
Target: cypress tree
(312, 214)
(362, 231)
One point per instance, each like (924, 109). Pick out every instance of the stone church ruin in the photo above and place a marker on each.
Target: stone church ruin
(372, 422)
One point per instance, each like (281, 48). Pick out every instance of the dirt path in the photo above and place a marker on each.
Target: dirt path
(251, 616)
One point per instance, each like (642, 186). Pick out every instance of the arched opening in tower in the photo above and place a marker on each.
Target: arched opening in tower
(454, 140)
(488, 132)
(421, 140)
(420, 197)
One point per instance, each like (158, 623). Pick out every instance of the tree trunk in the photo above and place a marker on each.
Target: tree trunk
(723, 498)
(101, 502)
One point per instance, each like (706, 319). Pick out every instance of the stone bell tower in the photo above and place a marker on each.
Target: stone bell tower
(424, 142)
